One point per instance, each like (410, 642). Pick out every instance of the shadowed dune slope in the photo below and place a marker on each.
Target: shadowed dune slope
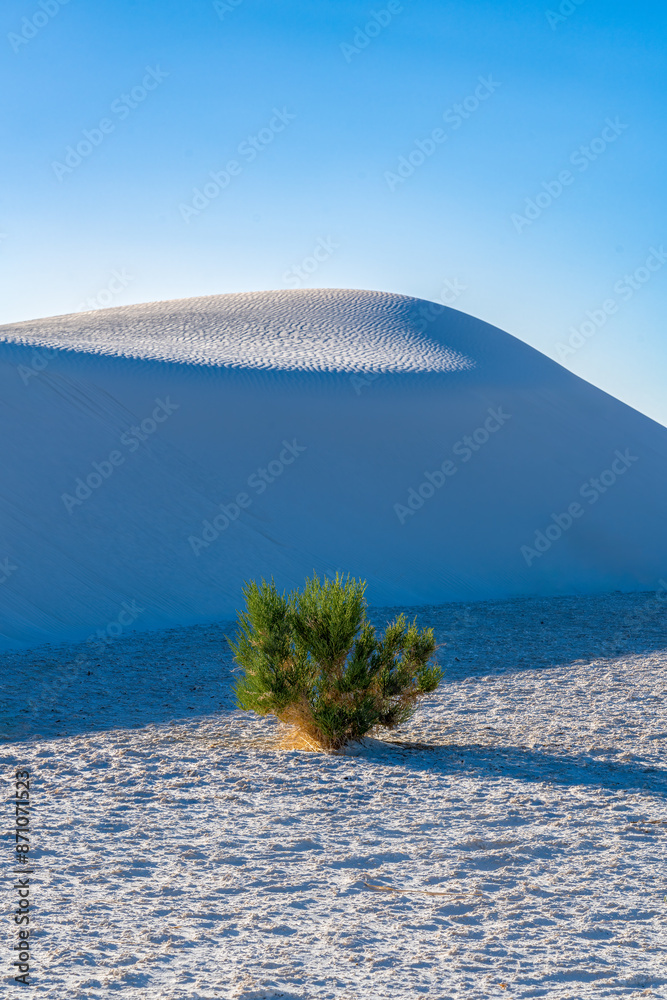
(156, 456)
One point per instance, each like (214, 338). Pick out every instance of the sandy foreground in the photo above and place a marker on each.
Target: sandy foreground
(510, 842)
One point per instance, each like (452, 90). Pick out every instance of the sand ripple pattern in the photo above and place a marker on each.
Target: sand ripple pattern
(321, 330)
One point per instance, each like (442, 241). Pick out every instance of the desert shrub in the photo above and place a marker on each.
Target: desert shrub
(313, 659)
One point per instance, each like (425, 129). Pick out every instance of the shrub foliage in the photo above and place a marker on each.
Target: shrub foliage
(313, 659)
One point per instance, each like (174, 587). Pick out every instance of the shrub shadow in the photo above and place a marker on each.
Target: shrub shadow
(514, 762)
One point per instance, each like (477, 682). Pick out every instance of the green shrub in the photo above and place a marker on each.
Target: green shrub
(313, 659)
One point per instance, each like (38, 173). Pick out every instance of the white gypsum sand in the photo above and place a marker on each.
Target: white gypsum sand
(509, 842)
(156, 456)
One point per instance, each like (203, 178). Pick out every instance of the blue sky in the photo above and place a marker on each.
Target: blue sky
(507, 156)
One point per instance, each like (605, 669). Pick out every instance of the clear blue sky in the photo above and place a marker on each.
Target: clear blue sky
(324, 172)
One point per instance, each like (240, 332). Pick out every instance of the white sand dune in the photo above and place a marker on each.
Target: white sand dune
(155, 456)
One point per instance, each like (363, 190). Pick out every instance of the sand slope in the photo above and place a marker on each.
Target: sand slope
(155, 456)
